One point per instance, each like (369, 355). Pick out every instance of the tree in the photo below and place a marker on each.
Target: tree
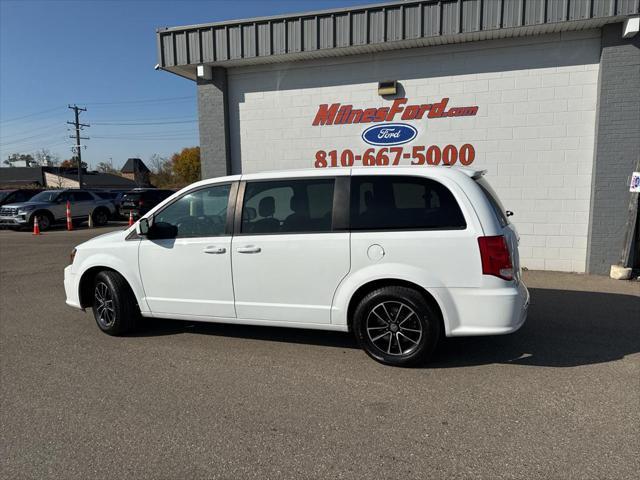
(105, 167)
(45, 158)
(186, 165)
(20, 157)
(161, 172)
(72, 163)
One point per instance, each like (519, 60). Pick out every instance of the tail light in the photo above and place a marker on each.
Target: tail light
(496, 259)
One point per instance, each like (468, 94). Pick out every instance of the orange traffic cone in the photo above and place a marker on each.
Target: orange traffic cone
(130, 217)
(69, 222)
(36, 227)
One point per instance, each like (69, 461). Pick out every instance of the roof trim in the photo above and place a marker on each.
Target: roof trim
(383, 26)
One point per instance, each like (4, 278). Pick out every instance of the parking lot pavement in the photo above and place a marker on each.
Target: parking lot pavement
(558, 399)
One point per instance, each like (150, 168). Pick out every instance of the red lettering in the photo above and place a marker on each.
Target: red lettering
(410, 112)
(423, 109)
(396, 108)
(368, 115)
(326, 114)
(381, 114)
(343, 114)
(437, 109)
(355, 116)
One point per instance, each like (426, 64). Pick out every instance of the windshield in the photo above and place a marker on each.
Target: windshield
(4, 194)
(46, 196)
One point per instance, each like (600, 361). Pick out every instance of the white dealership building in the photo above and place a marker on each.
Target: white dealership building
(544, 95)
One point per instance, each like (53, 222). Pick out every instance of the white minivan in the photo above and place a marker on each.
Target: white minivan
(399, 257)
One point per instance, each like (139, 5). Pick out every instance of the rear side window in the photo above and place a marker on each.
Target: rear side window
(106, 195)
(288, 206)
(493, 199)
(402, 203)
(82, 196)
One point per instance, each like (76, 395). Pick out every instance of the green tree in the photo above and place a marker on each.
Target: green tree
(186, 165)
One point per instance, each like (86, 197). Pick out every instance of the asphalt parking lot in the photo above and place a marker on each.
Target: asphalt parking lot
(558, 399)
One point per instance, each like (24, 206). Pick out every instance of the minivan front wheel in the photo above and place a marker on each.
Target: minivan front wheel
(396, 326)
(114, 305)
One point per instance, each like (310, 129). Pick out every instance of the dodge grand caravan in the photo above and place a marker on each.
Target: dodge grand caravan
(399, 257)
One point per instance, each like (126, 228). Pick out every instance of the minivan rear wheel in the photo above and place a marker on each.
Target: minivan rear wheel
(396, 326)
(114, 305)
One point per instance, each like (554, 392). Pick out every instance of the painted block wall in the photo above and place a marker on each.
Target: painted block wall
(533, 131)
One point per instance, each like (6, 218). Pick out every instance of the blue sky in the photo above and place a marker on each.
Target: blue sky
(101, 54)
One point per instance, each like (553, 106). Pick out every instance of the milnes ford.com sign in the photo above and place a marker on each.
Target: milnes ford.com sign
(389, 134)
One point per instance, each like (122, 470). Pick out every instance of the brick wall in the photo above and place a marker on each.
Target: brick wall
(213, 124)
(617, 146)
(534, 130)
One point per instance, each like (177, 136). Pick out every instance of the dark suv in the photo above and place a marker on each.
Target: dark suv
(141, 200)
(17, 195)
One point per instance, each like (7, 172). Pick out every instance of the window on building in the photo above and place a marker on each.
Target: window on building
(392, 202)
(288, 206)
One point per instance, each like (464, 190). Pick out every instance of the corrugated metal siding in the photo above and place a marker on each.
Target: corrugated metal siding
(364, 27)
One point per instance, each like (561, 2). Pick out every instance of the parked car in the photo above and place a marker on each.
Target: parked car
(141, 200)
(17, 195)
(50, 206)
(115, 196)
(400, 257)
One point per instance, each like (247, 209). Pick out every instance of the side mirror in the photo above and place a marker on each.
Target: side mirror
(161, 231)
(142, 227)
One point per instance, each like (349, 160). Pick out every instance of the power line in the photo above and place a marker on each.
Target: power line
(119, 102)
(150, 100)
(30, 115)
(36, 138)
(145, 123)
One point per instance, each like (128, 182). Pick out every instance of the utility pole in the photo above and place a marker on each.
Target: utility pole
(78, 127)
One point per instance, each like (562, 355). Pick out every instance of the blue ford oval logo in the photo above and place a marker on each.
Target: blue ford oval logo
(389, 134)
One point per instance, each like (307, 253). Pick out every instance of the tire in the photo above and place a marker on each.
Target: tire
(100, 217)
(114, 305)
(45, 220)
(396, 326)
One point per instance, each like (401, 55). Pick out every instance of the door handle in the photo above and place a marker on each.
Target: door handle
(249, 249)
(212, 249)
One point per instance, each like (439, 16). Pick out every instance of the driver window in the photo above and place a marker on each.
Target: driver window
(202, 213)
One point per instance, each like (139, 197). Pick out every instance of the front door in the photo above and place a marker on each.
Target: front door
(190, 276)
(287, 258)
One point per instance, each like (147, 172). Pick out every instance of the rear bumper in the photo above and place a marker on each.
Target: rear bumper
(71, 288)
(495, 311)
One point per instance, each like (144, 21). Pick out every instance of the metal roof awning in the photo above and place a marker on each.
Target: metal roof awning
(373, 28)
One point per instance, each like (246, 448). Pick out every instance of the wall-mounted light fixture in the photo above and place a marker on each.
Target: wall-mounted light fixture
(389, 87)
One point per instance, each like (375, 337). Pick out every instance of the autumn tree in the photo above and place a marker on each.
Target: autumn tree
(186, 165)
(72, 163)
